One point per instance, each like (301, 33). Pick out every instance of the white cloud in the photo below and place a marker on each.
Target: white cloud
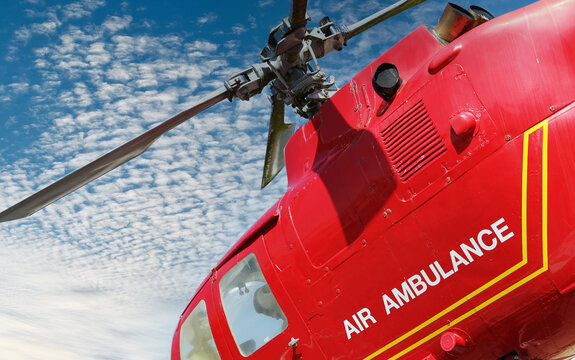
(201, 47)
(80, 9)
(19, 87)
(56, 16)
(239, 29)
(264, 3)
(119, 72)
(98, 55)
(57, 314)
(23, 34)
(207, 19)
(115, 23)
(46, 28)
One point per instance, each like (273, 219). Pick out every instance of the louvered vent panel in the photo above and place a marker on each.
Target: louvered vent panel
(412, 141)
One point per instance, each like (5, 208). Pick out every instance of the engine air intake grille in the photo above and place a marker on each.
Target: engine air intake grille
(412, 142)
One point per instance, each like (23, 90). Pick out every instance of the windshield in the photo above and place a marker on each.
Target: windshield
(196, 338)
(251, 309)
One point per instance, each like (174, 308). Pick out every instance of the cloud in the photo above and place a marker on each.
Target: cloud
(19, 87)
(264, 3)
(115, 23)
(207, 18)
(239, 29)
(46, 28)
(8, 92)
(80, 9)
(56, 16)
(57, 314)
(23, 34)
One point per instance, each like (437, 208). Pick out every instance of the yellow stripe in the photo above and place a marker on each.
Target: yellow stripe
(544, 192)
(524, 193)
(468, 314)
(543, 124)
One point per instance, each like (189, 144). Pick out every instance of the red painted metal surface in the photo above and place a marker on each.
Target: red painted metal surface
(440, 225)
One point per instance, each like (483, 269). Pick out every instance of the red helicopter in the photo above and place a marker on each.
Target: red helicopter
(429, 212)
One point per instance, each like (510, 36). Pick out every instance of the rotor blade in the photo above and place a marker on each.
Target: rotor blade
(278, 136)
(298, 13)
(106, 163)
(379, 16)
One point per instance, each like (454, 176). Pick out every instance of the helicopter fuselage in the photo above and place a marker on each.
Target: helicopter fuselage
(437, 224)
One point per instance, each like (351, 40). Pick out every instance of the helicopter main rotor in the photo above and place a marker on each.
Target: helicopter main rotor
(285, 64)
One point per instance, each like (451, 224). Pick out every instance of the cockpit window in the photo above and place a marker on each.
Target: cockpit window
(251, 309)
(196, 338)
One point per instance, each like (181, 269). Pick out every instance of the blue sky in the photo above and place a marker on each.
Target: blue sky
(105, 272)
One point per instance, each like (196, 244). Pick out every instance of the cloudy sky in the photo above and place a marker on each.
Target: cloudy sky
(105, 272)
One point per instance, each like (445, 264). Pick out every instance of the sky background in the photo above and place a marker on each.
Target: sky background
(106, 272)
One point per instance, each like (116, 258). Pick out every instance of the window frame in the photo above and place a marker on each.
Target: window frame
(235, 304)
(205, 293)
(201, 306)
(295, 325)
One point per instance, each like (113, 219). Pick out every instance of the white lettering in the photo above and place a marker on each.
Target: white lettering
(499, 231)
(443, 274)
(417, 284)
(457, 260)
(437, 278)
(354, 317)
(359, 318)
(399, 296)
(364, 315)
(483, 245)
(389, 304)
(349, 329)
(475, 250)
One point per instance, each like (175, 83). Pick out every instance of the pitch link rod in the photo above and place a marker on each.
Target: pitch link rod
(107, 162)
(368, 22)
